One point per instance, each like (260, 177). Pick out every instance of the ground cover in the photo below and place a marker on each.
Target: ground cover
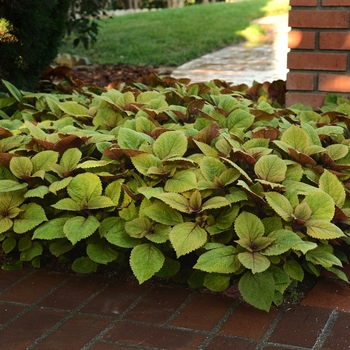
(211, 184)
(172, 37)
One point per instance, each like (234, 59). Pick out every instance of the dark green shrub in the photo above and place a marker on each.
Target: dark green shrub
(194, 182)
(30, 35)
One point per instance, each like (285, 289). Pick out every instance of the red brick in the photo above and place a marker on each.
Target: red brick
(315, 100)
(9, 311)
(300, 81)
(82, 287)
(339, 338)
(8, 278)
(153, 337)
(300, 326)
(214, 308)
(39, 284)
(319, 18)
(303, 2)
(109, 346)
(334, 83)
(26, 329)
(335, 41)
(221, 343)
(298, 39)
(116, 298)
(75, 333)
(249, 322)
(329, 294)
(317, 61)
(335, 3)
(158, 305)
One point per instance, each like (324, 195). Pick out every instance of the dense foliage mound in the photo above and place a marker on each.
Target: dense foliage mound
(210, 183)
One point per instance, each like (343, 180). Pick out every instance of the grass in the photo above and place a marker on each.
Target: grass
(171, 37)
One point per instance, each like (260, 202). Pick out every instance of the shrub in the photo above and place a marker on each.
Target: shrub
(194, 182)
(30, 35)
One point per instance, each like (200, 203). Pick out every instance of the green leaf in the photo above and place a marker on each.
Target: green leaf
(13, 91)
(67, 204)
(160, 234)
(187, 237)
(43, 160)
(73, 108)
(38, 192)
(161, 212)
(84, 187)
(52, 229)
(169, 268)
(254, 261)
(99, 202)
(60, 185)
(113, 229)
(258, 290)
(322, 229)
(182, 181)
(330, 184)
(280, 204)
(270, 168)
(101, 253)
(31, 216)
(70, 159)
(339, 273)
(337, 151)
(34, 250)
(79, 227)
(143, 162)
(131, 139)
(21, 166)
(216, 282)
(84, 265)
(294, 270)
(215, 203)
(146, 260)
(138, 227)
(212, 168)
(321, 204)
(283, 240)
(322, 256)
(175, 201)
(113, 191)
(5, 223)
(170, 144)
(282, 280)
(60, 247)
(219, 260)
(296, 137)
(8, 244)
(249, 226)
(239, 118)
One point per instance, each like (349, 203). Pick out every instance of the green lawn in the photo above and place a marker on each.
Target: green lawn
(174, 36)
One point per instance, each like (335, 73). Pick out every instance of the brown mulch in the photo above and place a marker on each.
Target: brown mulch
(104, 74)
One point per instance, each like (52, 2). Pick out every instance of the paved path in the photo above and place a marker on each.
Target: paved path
(244, 63)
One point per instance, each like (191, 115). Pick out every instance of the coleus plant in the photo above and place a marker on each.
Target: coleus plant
(186, 181)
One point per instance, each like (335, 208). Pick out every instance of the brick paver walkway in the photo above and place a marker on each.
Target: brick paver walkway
(58, 311)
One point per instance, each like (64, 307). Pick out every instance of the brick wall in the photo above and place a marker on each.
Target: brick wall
(319, 59)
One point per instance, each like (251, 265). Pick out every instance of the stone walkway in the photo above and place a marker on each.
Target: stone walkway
(58, 311)
(245, 62)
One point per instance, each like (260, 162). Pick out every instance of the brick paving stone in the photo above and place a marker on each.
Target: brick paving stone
(39, 283)
(9, 311)
(105, 346)
(82, 287)
(203, 312)
(249, 322)
(222, 343)
(339, 339)
(8, 278)
(74, 334)
(300, 326)
(275, 347)
(116, 298)
(27, 328)
(330, 294)
(158, 305)
(149, 336)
